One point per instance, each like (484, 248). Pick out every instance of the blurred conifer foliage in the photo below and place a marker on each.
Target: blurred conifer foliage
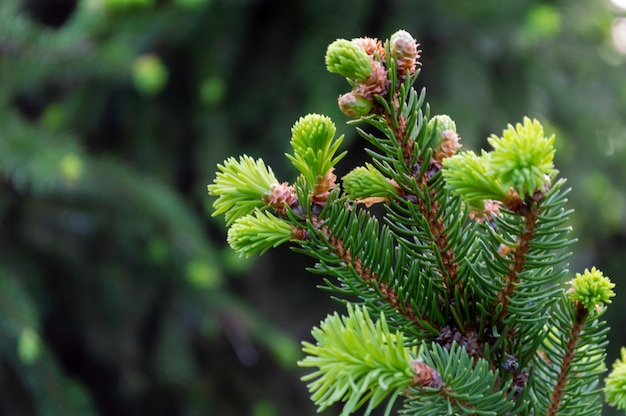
(117, 295)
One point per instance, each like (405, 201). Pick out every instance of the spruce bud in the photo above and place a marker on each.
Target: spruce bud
(405, 50)
(444, 129)
(354, 105)
(440, 123)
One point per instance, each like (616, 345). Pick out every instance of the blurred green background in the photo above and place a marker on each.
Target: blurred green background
(118, 295)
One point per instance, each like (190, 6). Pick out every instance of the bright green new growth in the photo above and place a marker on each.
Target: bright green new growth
(615, 383)
(359, 360)
(314, 145)
(522, 157)
(592, 289)
(468, 175)
(368, 182)
(345, 58)
(521, 160)
(240, 186)
(258, 232)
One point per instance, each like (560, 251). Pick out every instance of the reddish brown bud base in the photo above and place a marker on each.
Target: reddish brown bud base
(376, 82)
(323, 187)
(372, 46)
(448, 146)
(425, 376)
(280, 197)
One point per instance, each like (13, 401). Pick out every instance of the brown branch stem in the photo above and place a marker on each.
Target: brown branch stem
(371, 278)
(431, 211)
(559, 388)
(437, 226)
(438, 230)
(519, 260)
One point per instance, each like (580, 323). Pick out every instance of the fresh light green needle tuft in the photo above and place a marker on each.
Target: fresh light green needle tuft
(314, 144)
(615, 383)
(357, 360)
(346, 58)
(467, 174)
(592, 289)
(367, 182)
(523, 157)
(240, 186)
(258, 232)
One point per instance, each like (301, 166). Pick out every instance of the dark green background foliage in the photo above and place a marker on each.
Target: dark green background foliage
(117, 293)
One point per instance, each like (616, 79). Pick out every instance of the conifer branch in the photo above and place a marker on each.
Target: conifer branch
(519, 259)
(372, 280)
(572, 342)
(423, 173)
(473, 289)
(438, 229)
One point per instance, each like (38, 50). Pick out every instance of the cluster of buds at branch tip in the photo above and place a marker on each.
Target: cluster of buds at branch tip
(363, 62)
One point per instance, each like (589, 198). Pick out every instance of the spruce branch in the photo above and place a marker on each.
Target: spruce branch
(383, 291)
(570, 348)
(464, 265)
(519, 259)
(572, 355)
(467, 386)
(359, 361)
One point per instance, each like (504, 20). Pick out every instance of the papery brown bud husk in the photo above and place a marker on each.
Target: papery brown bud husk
(490, 209)
(372, 46)
(280, 197)
(406, 51)
(425, 376)
(376, 82)
(448, 146)
(323, 187)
